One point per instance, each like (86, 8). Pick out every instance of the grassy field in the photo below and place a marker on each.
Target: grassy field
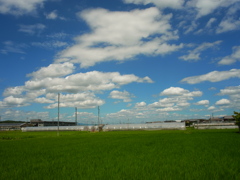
(150, 155)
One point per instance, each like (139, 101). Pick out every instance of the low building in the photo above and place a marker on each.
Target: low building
(228, 119)
(40, 123)
(12, 126)
(215, 119)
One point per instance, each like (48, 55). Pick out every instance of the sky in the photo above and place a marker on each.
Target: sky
(138, 60)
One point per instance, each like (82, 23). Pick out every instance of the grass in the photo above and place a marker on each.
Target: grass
(190, 154)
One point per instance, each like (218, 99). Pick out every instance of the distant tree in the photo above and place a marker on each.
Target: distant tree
(237, 118)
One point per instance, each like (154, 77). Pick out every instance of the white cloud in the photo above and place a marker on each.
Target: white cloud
(234, 94)
(50, 44)
(211, 108)
(13, 47)
(210, 22)
(140, 105)
(43, 100)
(53, 70)
(202, 103)
(175, 4)
(13, 101)
(177, 99)
(214, 76)
(48, 82)
(19, 7)
(123, 114)
(233, 90)
(200, 7)
(231, 20)
(24, 115)
(32, 29)
(235, 56)
(169, 109)
(114, 38)
(194, 55)
(205, 7)
(177, 91)
(173, 91)
(94, 81)
(223, 102)
(82, 100)
(52, 15)
(18, 90)
(228, 24)
(125, 96)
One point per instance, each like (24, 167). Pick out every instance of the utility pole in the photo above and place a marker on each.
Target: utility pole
(58, 113)
(98, 119)
(76, 115)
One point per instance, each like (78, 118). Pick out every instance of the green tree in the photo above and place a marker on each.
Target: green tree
(237, 118)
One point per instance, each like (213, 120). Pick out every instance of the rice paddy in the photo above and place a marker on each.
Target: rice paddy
(166, 154)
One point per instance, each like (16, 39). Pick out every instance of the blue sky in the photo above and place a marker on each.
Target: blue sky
(139, 60)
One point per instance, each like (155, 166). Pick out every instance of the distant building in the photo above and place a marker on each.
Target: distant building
(228, 118)
(40, 123)
(215, 119)
(12, 126)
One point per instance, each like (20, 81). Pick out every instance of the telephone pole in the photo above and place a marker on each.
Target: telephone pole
(58, 113)
(76, 115)
(98, 119)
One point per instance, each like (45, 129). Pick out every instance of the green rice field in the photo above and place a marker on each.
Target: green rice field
(121, 155)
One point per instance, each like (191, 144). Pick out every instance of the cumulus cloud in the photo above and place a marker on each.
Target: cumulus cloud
(12, 101)
(214, 76)
(24, 115)
(223, 102)
(234, 94)
(175, 4)
(125, 96)
(140, 105)
(114, 38)
(177, 99)
(211, 108)
(43, 100)
(169, 109)
(84, 100)
(232, 90)
(94, 81)
(177, 91)
(48, 81)
(122, 114)
(194, 55)
(18, 90)
(235, 56)
(19, 7)
(202, 103)
(53, 70)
